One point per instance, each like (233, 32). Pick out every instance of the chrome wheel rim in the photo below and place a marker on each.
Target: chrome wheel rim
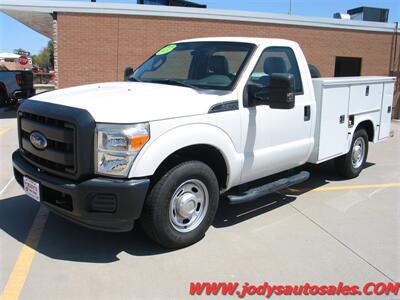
(358, 152)
(188, 205)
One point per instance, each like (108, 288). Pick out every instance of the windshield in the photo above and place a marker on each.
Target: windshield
(206, 65)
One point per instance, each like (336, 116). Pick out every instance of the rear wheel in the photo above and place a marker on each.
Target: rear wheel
(351, 164)
(181, 205)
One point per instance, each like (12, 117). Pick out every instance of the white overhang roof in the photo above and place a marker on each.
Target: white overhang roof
(9, 55)
(38, 15)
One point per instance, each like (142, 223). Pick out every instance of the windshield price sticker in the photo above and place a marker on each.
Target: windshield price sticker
(166, 49)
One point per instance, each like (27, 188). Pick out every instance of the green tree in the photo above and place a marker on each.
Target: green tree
(20, 50)
(45, 58)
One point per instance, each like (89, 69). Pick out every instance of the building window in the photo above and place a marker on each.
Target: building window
(347, 66)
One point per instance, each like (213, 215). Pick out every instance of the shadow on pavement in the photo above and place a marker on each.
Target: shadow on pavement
(64, 240)
(17, 215)
(320, 175)
(229, 215)
(8, 112)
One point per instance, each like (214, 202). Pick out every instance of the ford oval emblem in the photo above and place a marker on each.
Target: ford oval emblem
(38, 140)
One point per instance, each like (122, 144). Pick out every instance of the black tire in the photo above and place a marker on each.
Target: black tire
(156, 218)
(344, 164)
(3, 97)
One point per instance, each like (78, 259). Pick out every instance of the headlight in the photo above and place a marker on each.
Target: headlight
(117, 147)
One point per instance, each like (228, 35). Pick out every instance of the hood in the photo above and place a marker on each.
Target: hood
(133, 102)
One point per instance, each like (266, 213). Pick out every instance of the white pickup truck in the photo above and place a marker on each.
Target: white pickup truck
(198, 119)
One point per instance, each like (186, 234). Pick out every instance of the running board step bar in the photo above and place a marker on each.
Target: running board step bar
(260, 191)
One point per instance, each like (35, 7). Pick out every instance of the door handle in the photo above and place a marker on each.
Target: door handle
(307, 113)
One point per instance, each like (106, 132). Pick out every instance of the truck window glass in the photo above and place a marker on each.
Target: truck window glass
(235, 59)
(177, 63)
(205, 65)
(277, 60)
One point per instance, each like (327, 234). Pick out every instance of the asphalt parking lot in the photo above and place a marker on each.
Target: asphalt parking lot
(324, 231)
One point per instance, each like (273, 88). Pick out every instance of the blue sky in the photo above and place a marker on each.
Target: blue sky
(15, 35)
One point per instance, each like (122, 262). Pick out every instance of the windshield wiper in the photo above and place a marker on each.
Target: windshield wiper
(174, 82)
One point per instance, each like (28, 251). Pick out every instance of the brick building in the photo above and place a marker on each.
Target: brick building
(94, 42)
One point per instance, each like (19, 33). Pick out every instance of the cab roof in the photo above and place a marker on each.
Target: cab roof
(252, 40)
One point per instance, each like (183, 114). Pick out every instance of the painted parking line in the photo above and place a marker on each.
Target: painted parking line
(347, 187)
(4, 130)
(6, 186)
(23, 264)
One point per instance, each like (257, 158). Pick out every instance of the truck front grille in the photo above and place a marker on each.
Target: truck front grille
(69, 133)
(59, 154)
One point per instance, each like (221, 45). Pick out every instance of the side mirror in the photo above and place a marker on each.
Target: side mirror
(128, 73)
(278, 94)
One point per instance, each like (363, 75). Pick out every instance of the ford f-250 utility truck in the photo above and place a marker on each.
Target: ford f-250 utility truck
(198, 119)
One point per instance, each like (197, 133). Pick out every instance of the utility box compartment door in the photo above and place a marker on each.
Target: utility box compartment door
(333, 126)
(365, 98)
(386, 111)
(362, 98)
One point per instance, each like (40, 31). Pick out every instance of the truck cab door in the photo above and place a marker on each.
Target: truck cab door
(274, 140)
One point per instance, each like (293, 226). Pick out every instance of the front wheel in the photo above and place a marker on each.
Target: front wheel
(181, 205)
(351, 164)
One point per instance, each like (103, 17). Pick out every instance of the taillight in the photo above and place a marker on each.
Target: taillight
(19, 79)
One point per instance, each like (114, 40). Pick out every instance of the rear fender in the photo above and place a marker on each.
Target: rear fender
(372, 117)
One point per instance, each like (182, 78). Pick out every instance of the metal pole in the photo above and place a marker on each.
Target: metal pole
(395, 50)
(290, 7)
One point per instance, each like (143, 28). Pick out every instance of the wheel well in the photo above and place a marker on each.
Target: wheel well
(369, 128)
(202, 152)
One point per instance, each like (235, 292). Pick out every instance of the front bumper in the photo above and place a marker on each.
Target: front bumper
(98, 203)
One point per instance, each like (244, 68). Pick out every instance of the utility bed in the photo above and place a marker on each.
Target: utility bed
(343, 102)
